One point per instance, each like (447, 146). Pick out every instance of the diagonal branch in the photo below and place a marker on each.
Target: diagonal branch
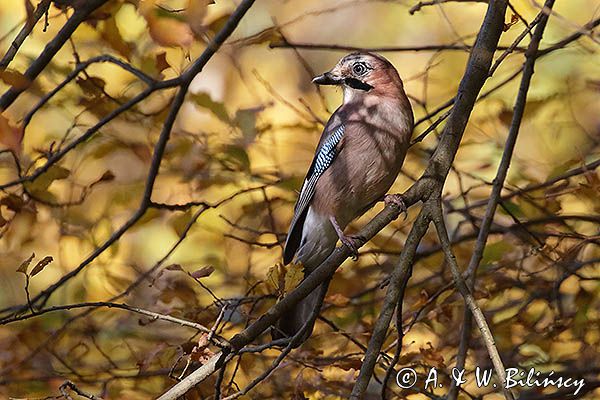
(40, 10)
(81, 13)
(486, 223)
(433, 178)
(461, 285)
(184, 82)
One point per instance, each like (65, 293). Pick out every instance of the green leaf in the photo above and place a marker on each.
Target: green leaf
(494, 252)
(218, 109)
(246, 121)
(54, 173)
(513, 208)
(235, 158)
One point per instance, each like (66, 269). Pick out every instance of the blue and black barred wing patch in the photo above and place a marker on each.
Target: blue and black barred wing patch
(323, 159)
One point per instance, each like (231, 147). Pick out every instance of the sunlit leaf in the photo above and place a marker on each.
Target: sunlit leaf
(166, 29)
(111, 34)
(293, 276)
(276, 278)
(14, 79)
(268, 35)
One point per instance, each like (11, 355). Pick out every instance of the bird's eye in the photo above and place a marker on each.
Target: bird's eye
(359, 69)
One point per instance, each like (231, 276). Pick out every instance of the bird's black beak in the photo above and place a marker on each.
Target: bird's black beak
(327, 79)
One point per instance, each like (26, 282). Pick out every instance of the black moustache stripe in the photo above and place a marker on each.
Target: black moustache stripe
(356, 84)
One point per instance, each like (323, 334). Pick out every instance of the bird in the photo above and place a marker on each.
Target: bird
(358, 158)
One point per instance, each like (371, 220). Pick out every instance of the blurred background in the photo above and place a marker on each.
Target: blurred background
(241, 146)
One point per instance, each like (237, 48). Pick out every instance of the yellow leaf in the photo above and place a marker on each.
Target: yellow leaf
(165, 29)
(55, 172)
(111, 34)
(170, 32)
(276, 278)
(293, 276)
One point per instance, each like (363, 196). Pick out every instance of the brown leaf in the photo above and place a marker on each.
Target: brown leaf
(513, 20)
(161, 62)
(174, 267)
(349, 363)
(92, 86)
(107, 176)
(112, 36)
(337, 299)
(25, 264)
(14, 78)
(13, 202)
(195, 13)
(201, 352)
(41, 265)
(10, 136)
(203, 272)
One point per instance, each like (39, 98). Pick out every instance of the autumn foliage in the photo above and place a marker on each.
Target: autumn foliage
(138, 235)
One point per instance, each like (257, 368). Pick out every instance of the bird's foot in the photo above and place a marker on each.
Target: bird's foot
(352, 242)
(397, 201)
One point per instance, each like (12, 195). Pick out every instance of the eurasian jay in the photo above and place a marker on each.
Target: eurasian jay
(358, 158)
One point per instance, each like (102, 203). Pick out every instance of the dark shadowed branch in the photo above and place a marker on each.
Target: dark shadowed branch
(486, 223)
(40, 10)
(183, 83)
(82, 12)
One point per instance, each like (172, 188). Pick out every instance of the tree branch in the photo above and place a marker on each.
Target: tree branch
(184, 82)
(486, 223)
(433, 178)
(40, 10)
(81, 13)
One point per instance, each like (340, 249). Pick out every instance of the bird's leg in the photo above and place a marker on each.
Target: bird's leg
(348, 241)
(396, 200)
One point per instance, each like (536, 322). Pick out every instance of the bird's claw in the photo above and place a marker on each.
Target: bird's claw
(397, 201)
(353, 242)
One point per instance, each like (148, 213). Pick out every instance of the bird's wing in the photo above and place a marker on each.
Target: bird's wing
(324, 156)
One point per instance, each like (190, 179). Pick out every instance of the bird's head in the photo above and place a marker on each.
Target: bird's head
(363, 72)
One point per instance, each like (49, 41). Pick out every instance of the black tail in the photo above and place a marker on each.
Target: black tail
(301, 314)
